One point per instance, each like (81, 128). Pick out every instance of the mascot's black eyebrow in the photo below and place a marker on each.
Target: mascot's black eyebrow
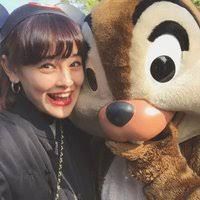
(171, 28)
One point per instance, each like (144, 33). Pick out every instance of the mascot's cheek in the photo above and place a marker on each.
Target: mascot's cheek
(146, 122)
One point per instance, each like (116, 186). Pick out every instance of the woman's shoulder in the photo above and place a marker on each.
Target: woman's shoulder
(8, 121)
(9, 137)
(12, 129)
(17, 139)
(12, 119)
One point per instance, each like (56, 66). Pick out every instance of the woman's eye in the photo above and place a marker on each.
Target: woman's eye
(76, 64)
(47, 68)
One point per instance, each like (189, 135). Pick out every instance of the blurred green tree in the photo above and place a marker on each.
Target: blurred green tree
(196, 2)
(85, 5)
(89, 3)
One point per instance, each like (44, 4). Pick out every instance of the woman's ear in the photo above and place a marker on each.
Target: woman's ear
(11, 73)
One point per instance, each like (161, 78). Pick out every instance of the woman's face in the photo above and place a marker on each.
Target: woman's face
(53, 85)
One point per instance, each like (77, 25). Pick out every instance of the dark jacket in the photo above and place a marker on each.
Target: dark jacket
(29, 156)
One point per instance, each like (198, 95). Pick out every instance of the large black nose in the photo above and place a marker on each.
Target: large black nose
(119, 113)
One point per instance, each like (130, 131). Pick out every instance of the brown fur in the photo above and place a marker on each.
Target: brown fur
(115, 23)
(161, 166)
(191, 151)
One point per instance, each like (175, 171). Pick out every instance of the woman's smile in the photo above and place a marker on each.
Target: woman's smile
(60, 99)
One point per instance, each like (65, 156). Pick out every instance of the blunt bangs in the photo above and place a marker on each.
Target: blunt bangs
(44, 36)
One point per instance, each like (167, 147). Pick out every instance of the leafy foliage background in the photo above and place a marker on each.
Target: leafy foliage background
(84, 5)
(196, 2)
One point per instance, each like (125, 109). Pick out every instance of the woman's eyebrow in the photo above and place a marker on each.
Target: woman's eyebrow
(75, 55)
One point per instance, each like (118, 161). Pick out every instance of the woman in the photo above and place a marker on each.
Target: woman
(42, 157)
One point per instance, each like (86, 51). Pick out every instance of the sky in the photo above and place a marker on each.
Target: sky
(10, 5)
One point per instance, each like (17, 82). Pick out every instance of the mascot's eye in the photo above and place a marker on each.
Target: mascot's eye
(163, 58)
(163, 69)
(91, 79)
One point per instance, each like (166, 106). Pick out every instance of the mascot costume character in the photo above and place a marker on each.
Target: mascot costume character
(142, 92)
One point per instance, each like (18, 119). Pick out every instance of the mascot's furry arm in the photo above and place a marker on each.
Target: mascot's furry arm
(161, 166)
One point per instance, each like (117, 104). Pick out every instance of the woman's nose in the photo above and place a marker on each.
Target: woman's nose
(65, 79)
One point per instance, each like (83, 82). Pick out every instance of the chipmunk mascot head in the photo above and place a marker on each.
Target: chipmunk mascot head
(142, 91)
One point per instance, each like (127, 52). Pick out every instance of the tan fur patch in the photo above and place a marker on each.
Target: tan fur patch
(112, 28)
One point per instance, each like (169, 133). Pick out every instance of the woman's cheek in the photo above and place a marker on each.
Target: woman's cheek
(78, 78)
(44, 83)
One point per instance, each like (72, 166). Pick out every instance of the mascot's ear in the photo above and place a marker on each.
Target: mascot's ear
(88, 19)
(74, 13)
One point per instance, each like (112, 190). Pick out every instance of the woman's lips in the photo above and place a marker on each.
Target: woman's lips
(60, 99)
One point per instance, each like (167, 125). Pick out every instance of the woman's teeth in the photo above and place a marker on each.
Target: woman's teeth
(56, 96)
